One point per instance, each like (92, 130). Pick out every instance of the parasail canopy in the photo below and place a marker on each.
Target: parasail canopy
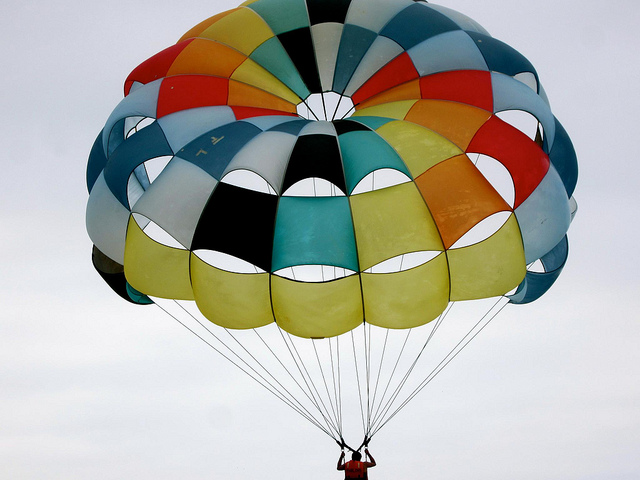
(324, 163)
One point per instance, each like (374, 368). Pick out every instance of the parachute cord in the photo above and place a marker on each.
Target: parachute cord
(352, 109)
(284, 389)
(339, 376)
(384, 394)
(257, 362)
(326, 386)
(355, 361)
(304, 392)
(291, 399)
(336, 383)
(265, 384)
(404, 380)
(455, 351)
(326, 413)
(377, 384)
(310, 111)
(300, 363)
(335, 111)
(367, 352)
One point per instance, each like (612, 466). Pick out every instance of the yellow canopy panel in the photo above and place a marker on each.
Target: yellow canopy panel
(253, 74)
(409, 298)
(419, 147)
(397, 110)
(155, 269)
(317, 310)
(202, 26)
(390, 222)
(231, 300)
(490, 268)
(242, 29)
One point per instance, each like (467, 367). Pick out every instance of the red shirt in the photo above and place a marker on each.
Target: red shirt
(355, 469)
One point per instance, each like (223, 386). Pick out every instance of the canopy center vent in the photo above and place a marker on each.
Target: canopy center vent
(326, 106)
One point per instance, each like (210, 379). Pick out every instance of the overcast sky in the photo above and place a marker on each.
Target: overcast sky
(92, 387)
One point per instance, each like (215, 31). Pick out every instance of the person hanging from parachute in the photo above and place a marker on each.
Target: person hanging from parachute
(355, 468)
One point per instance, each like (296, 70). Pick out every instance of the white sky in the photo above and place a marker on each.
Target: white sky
(92, 387)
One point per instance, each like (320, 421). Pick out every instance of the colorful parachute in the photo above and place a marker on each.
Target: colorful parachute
(320, 163)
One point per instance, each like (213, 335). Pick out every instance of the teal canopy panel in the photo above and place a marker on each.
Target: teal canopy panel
(314, 231)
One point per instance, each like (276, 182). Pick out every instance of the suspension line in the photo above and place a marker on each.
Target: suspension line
(297, 359)
(355, 361)
(256, 376)
(326, 386)
(404, 380)
(384, 349)
(455, 351)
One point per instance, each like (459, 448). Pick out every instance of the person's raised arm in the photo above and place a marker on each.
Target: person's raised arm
(341, 461)
(372, 462)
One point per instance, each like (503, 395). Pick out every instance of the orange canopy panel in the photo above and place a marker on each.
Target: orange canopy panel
(458, 197)
(454, 121)
(206, 57)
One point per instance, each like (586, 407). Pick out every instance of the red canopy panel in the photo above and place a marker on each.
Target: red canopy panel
(191, 91)
(397, 71)
(525, 160)
(155, 67)
(472, 87)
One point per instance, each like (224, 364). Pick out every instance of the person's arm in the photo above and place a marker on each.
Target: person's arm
(341, 461)
(372, 463)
